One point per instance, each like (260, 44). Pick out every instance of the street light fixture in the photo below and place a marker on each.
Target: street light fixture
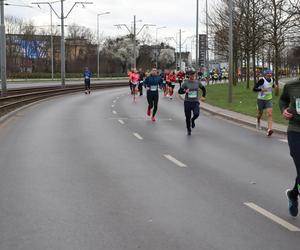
(62, 17)
(98, 41)
(134, 34)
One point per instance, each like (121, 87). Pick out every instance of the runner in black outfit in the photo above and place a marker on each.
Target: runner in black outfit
(152, 83)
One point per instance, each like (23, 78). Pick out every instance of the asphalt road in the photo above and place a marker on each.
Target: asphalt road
(93, 172)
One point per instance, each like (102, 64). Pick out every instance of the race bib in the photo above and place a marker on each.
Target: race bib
(86, 77)
(173, 83)
(153, 87)
(164, 82)
(141, 81)
(193, 94)
(298, 105)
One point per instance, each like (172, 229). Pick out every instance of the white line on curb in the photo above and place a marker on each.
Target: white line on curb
(121, 121)
(138, 136)
(273, 217)
(175, 161)
(114, 112)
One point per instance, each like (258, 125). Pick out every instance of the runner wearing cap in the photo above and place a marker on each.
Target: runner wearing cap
(264, 99)
(191, 88)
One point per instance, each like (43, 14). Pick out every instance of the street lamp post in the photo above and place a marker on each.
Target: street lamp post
(231, 70)
(156, 52)
(197, 34)
(3, 51)
(180, 49)
(207, 50)
(98, 42)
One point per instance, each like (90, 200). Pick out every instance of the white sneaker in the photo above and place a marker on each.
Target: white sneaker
(258, 125)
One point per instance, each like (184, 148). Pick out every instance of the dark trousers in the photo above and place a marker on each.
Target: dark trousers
(141, 88)
(87, 83)
(294, 144)
(153, 102)
(190, 107)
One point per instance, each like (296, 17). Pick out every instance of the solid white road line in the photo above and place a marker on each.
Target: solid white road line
(114, 112)
(284, 140)
(121, 121)
(175, 161)
(138, 136)
(273, 217)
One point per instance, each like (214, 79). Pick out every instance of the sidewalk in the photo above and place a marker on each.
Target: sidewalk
(240, 118)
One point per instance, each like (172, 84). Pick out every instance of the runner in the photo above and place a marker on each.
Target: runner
(142, 76)
(172, 83)
(163, 76)
(180, 76)
(130, 84)
(290, 107)
(264, 100)
(87, 74)
(134, 79)
(152, 83)
(168, 81)
(191, 103)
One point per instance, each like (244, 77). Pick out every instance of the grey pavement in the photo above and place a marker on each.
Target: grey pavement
(93, 172)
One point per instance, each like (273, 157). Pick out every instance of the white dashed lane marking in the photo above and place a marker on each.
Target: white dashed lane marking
(273, 217)
(175, 161)
(284, 140)
(114, 112)
(138, 136)
(121, 121)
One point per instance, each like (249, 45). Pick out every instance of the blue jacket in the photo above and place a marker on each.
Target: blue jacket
(152, 83)
(87, 74)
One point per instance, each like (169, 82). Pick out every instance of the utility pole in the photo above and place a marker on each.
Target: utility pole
(62, 18)
(62, 46)
(156, 52)
(180, 49)
(231, 70)
(98, 42)
(134, 35)
(134, 42)
(3, 51)
(207, 50)
(197, 34)
(52, 47)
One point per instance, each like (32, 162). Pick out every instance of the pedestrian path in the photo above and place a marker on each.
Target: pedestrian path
(241, 118)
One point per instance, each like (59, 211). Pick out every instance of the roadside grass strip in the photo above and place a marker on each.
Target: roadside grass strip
(175, 161)
(272, 217)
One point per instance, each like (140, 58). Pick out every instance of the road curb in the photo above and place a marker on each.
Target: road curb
(234, 118)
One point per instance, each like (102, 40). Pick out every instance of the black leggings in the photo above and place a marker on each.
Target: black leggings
(188, 108)
(153, 102)
(87, 84)
(294, 144)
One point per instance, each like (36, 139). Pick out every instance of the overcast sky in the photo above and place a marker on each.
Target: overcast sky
(174, 14)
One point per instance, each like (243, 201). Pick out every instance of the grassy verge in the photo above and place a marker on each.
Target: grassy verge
(244, 100)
